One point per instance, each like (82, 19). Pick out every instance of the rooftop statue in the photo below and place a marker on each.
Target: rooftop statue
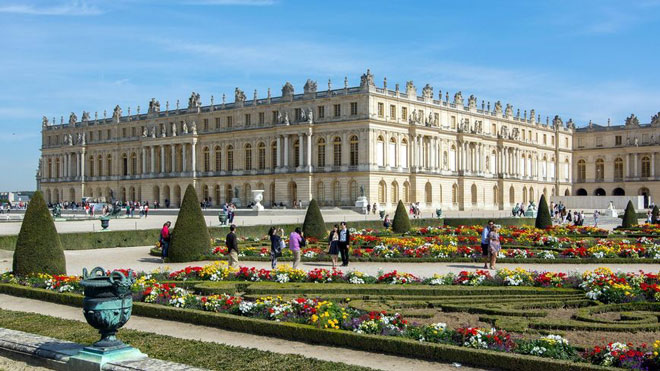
(44, 121)
(427, 92)
(632, 120)
(194, 101)
(185, 127)
(85, 116)
(498, 108)
(655, 120)
(557, 122)
(508, 111)
(310, 116)
(287, 90)
(367, 79)
(116, 113)
(458, 98)
(310, 86)
(239, 96)
(472, 102)
(73, 118)
(154, 105)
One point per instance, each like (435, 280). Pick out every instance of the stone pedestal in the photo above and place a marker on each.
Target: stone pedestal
(361, 202)
(258, 196)
(92, 358)
(611, 211)
(236, 201)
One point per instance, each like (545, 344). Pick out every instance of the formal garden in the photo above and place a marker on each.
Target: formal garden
(509, 319)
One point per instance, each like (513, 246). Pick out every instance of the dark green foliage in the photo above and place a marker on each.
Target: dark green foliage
(314, 226)
(401, 222)
(543, 219)
(655, 215)
(190, 238)
(630, 216)
(38, 247)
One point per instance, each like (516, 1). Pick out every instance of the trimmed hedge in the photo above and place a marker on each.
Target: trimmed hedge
(314, 226)
(38, 247)
(543, 219)
(190, 239)
(401, 222)
(300, 332)
(629, 216)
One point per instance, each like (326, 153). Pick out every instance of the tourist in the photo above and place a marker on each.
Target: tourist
(493, 245)
(165, 239)
(296, 240)
(649, 216)
(344, 240)
(485, 242)
(569, 217)
(596, 215)
(232, 246)
(146, 210)
(368, 208)
(387, 223)
(374, 208)
(231, 211)
(333, 245)
(514, 212)
(276, 245)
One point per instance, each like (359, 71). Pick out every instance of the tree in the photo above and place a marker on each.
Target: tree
(38, 247)
(401, 222)
(629, 216)
(314, 226)
(190, 238)
(655, 215)
(543, 219)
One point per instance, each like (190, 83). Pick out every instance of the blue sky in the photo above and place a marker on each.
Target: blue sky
(586, 60)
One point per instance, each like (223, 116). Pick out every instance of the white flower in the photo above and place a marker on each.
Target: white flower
(537, 351)
(282, 278)
(356, 280)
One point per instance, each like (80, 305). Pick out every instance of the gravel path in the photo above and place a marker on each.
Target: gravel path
(138, 258)
(209, 334)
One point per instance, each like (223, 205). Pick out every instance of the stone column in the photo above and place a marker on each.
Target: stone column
(309, 151)
(173, 159)
(286, 152)
(652, 164)
(278, 162)
(626, 172)
(636, 174)
(301, 159)
(153, 160)
(193, 157)
(162, 160)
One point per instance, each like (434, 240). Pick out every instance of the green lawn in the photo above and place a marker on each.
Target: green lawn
(191, 352)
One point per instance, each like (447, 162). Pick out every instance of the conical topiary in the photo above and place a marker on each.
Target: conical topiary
(630, 216)
(401, 222)
(38, 247)
(543, 219)
(655, 215)
(314, 226)
(190, 238)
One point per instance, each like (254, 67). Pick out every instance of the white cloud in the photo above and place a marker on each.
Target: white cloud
(73, 8)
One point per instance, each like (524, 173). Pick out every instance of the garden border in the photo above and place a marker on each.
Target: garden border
(342, 338)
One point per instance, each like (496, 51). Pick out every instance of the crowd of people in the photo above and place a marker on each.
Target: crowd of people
(560, 215)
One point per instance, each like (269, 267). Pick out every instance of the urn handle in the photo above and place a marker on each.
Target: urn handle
(98, 272)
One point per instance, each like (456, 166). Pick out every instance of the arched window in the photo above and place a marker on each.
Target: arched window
(454, 194)
(495, 191)
(544, 169)
(512, 195)
(600, 169)
(320, 192)
(473, 194)
(354, 150)
(91, 165)
(57, 167)
(296, 153)
(567, 170)
(406, 192)
(551, 169)
(218, 161)
(262, 156)
(217, 194)
(134, 168)
(50, 170)
(124, 167)
(618, 168)
(352, 191)
(381, 192)
(391, 153)
(380, 151)
(394, 193)
(248, 156)
(403, 154)
(207, 159)
(336, 155)
(320, 153)
(581, 170)
(230, 159)
(428, 193)
(452, 158)
(99, 163)
(336, 192)
(646, 167)
(108, 166)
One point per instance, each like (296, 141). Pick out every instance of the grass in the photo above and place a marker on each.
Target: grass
(191, 352)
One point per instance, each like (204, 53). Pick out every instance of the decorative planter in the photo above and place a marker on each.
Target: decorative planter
(381, 213)
(438, 212)
(108, 303)
(222, 217)
(105, 222)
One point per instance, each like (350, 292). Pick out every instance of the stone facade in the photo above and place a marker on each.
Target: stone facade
(617, 160)
(319, 144)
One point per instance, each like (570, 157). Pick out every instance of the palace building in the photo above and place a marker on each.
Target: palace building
(332, 145)
(617, 160)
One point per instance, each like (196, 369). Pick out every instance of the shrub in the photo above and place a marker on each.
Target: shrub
(543, 219)
(190, 238)
(630, 216)
(314, 226)
(38, 246)
(401, 222)
(655, 215)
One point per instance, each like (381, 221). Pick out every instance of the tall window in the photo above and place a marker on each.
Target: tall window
(392, 112)
(337, 108)
(394, 193)
(218, 158)
(134, 163)
(261, 118)
(296, 153)
(248, 156)
(406, 192)
(273, 154)
(646, 167)
(124, 163)
(91, 165)
(354, 111)
(321, 111)
(248, 119)
(403, 154)
(381, 110)
(99, 168)
(320, 160)
(217, 123)
(108, 166)
(618, 168)
(230, 121)
(352, 191)
(262, 156)
(354, 150)
(381, 192)
(320, 192)
(380, 151)
(391, 153)
(337, 152)
(600, 169)
(207, 159)
(581, 170)
(404, 113)
(230, 159)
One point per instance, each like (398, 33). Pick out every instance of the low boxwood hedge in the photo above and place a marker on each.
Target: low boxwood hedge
(300, 332)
